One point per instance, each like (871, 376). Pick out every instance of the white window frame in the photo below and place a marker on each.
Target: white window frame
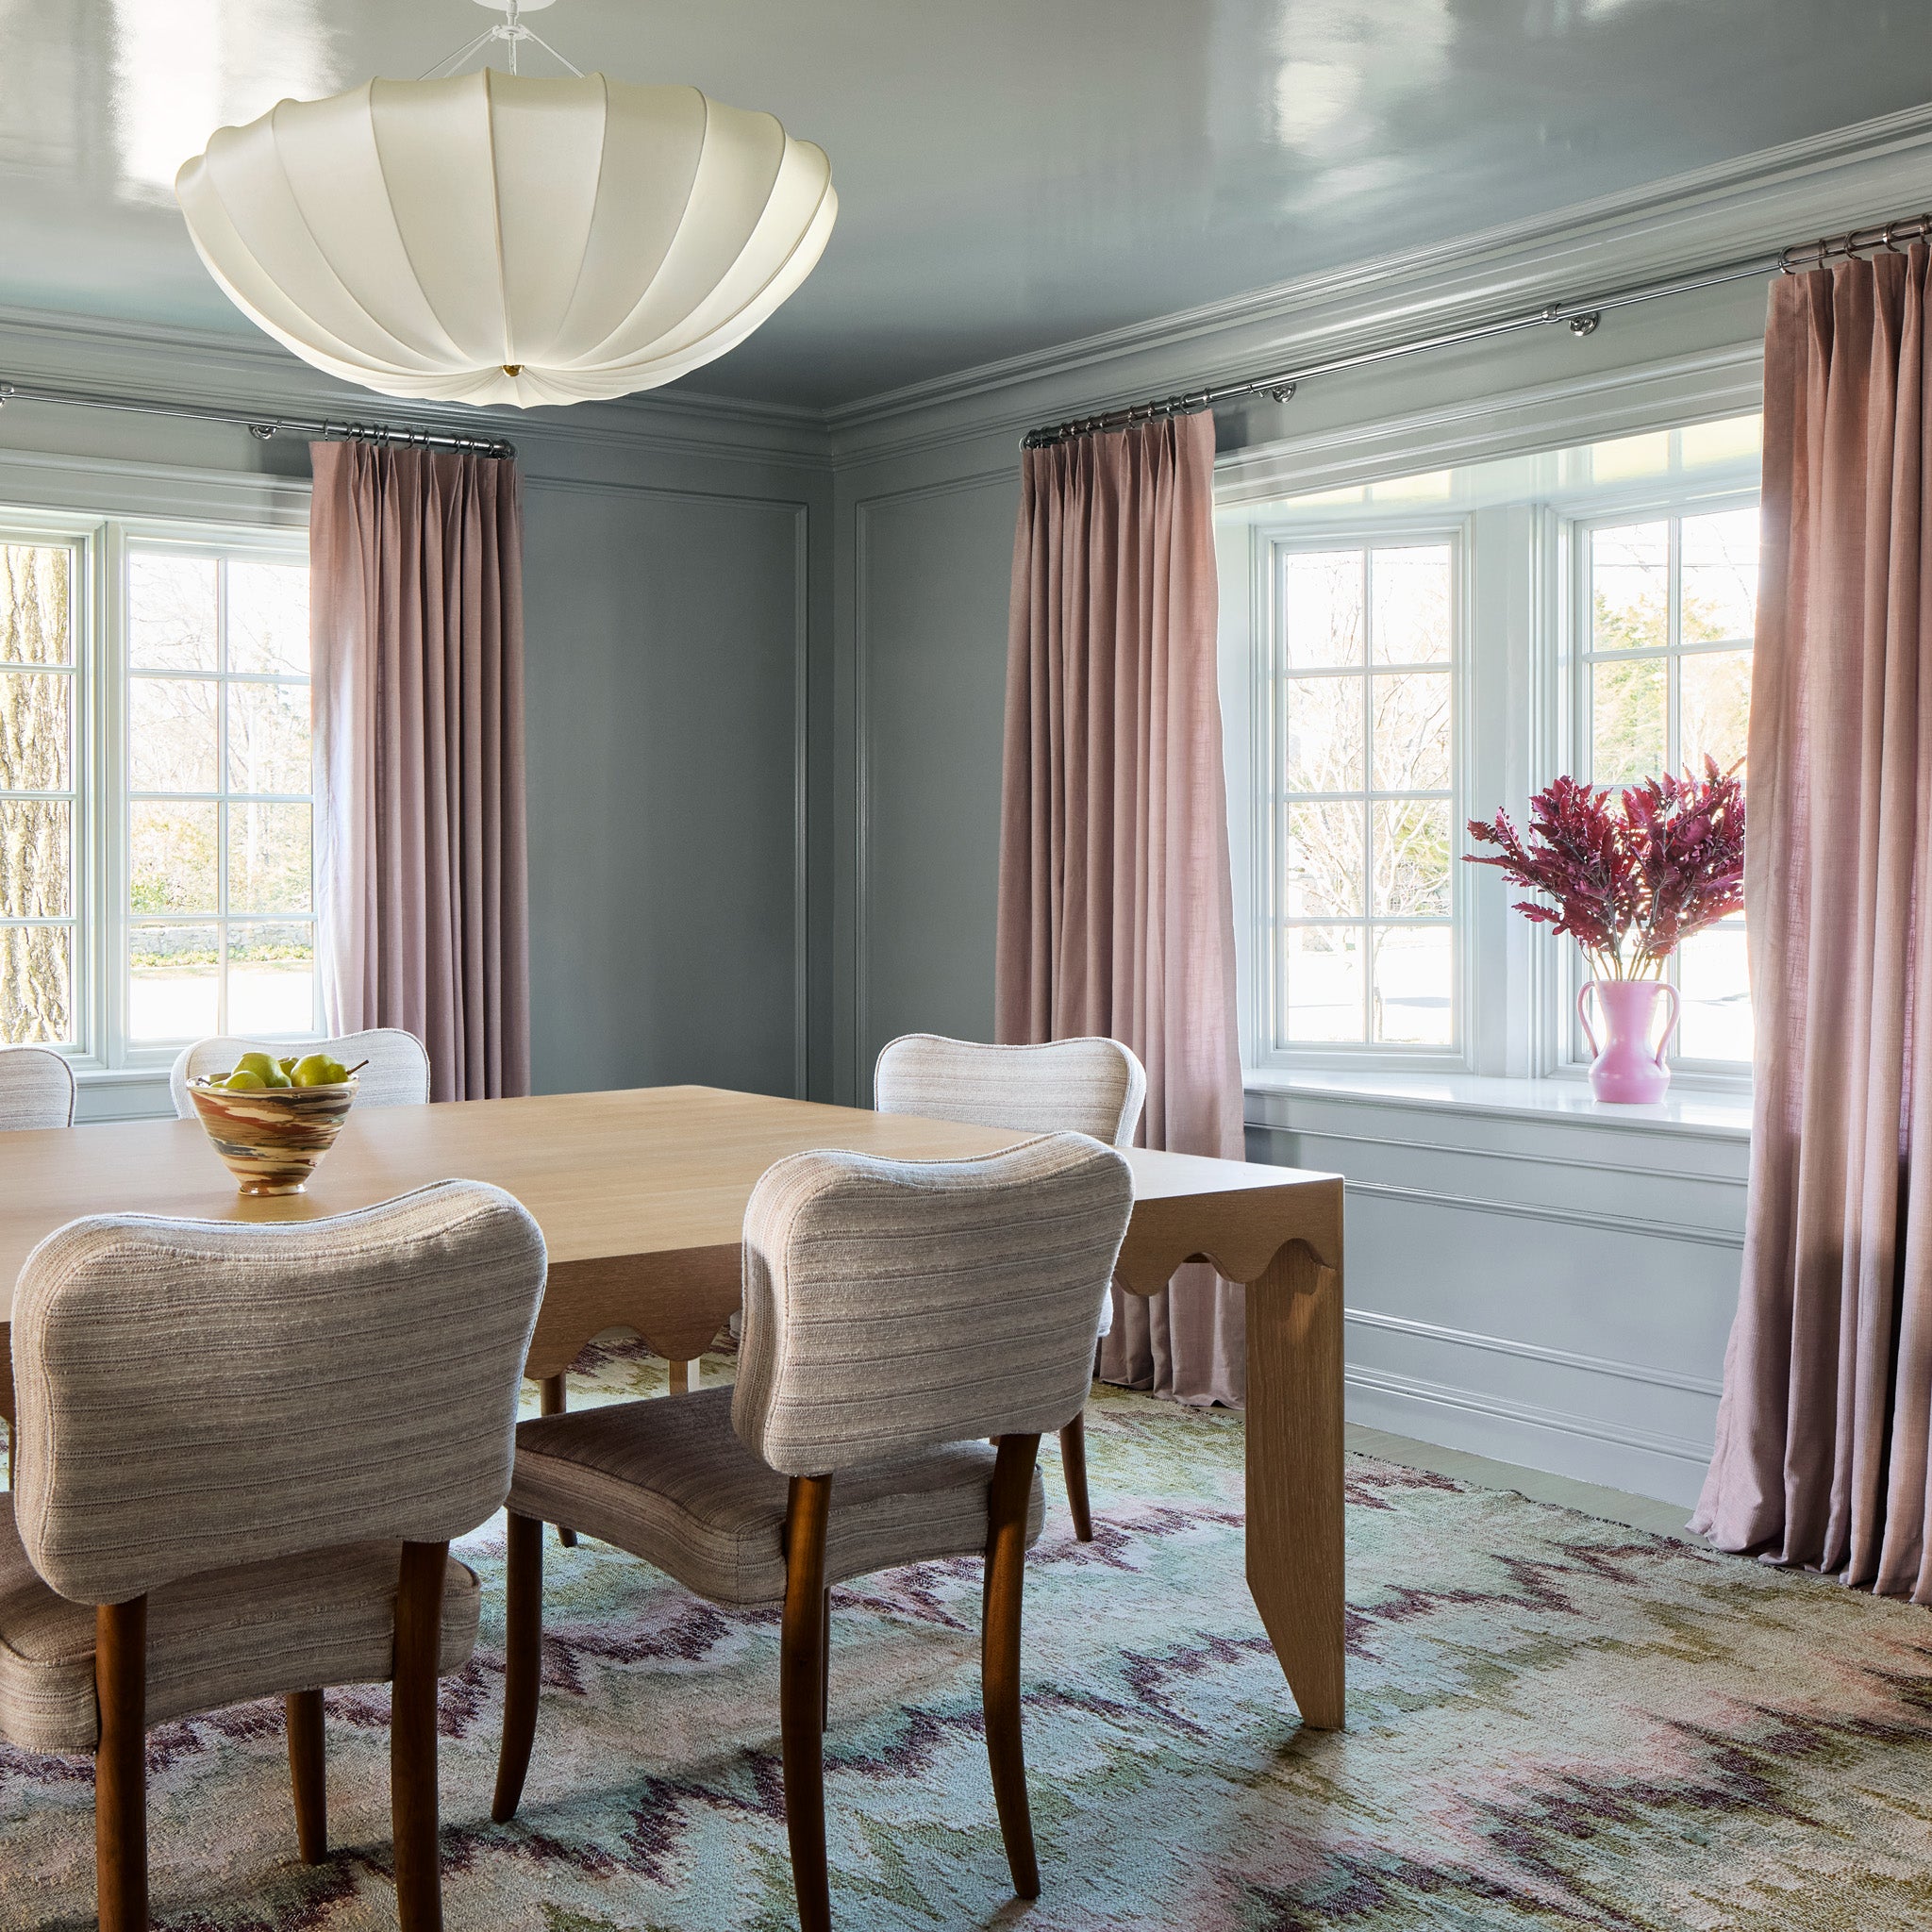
(1581, 515)
(102, 1050)
(1270, 541)
(1517, 696)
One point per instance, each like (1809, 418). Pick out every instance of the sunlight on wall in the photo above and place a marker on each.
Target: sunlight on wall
(183, 68)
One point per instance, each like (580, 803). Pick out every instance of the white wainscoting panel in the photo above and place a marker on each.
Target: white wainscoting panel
(1551, 1291)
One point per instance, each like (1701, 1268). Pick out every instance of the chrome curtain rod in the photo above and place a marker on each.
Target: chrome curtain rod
(263, 427)
(1582, 317)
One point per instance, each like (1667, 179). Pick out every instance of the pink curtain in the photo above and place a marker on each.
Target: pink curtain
(417, 623)
(1116, 911)
(1822, 1436)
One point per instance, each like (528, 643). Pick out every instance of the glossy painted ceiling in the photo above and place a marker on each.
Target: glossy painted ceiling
(1012, 173)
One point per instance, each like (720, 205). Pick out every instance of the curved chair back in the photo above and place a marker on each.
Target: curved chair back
(197, 1394)
(1089, 1086)
(397, 1073)
(36, 1089)
(891, 1305)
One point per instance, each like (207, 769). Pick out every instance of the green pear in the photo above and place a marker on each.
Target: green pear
(244, 1080)
(257, 1063)
(316, 1070)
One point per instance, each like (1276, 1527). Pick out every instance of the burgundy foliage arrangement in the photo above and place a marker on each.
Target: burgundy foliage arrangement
(1634, 872)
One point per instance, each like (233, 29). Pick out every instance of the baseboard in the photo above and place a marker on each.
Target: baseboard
(1669, 1468)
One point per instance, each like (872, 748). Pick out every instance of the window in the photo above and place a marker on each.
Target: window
(1670, 605)
(1426, 649)
(219, 906)
(155, 797)
(40, 805)
(1362, 941)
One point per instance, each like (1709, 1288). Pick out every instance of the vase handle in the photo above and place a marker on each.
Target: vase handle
(1583, 994)
(1669, 1024)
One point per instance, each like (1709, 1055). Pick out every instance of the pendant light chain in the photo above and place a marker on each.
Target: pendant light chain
(514, 31)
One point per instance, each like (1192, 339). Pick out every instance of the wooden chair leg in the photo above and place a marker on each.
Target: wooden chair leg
(999, 1671)
(802, 1697)
(1074, 1467)
(412, 1736)
(308, 1773)
(681, 1376)
(553, 1398)
(522, 1663)
(121, 1767)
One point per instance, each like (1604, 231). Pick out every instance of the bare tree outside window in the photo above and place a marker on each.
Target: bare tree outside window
(37, 797)
(1363, 674)
(221, 927)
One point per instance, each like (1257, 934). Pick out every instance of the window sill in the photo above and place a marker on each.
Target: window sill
(1710, 1115)
(121, 1093)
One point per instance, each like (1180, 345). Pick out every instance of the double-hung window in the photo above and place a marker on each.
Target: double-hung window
(157, 801)
(1359, 699)
(43, 818)
(1666, 611)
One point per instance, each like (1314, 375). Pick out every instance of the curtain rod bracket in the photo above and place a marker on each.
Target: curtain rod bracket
(1586, 325)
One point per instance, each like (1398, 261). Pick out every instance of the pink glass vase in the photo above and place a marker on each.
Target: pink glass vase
(1627, 1069)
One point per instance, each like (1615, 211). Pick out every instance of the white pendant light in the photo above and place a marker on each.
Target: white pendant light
(498, 238)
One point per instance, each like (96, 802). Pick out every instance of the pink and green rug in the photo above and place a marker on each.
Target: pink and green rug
(1553, 1722)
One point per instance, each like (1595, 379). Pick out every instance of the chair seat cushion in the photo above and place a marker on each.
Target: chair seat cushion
(669, 1481)
(298, 1623)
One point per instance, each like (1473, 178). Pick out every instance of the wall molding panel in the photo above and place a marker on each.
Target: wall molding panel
(1641, 1228)
(1645, 1463)
(1563, 1305)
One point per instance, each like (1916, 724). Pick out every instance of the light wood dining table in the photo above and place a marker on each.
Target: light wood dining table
(640, 1195)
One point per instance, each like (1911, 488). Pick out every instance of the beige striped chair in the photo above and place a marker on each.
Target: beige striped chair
(1087, 1085)
(36, 1089)
(896, 1314)
(165, 1554)
(397, 1073)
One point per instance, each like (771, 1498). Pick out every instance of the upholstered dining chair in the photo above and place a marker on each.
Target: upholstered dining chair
(1086, 1086)
(36, 1089)
(897, 1315)
(165, 1554)
(397, 1073)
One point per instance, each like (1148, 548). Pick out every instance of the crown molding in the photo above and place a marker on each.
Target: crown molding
(1751, 202)
(152, 362)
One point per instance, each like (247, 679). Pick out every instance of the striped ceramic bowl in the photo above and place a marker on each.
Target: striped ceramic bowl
(272, 1136)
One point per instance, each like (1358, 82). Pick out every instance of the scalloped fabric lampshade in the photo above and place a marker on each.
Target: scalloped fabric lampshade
(499, 238)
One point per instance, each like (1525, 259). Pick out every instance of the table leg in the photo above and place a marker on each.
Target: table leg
(1295, 1475)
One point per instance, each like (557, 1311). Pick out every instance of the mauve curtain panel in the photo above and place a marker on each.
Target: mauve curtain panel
(1821, 1435)
(1116, 910)
(416, 619)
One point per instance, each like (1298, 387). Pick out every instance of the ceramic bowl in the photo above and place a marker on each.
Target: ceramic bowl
(272, 1136)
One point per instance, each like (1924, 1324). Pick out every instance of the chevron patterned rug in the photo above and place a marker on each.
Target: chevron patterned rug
(1555, 1722)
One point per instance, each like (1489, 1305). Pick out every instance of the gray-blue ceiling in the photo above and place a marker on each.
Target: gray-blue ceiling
(1012, 173)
